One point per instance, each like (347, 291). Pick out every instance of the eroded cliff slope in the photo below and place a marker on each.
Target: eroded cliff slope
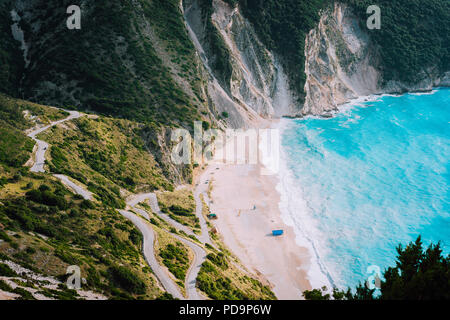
(246, 81)
(343, 62)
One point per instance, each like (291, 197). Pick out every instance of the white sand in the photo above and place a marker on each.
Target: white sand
(247, 232)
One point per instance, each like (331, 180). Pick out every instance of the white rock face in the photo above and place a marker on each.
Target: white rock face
(342, 63)
(258, 88)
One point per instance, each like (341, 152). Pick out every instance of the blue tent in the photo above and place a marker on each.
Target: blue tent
(277, 232)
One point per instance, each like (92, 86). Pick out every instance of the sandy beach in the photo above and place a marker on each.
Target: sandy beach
(247, 231)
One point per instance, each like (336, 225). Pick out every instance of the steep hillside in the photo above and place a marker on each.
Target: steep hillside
(229, 63)
(283, 26)
(331, 55)
(45, 228)
(11, 57)
(345, 60)
(69, 215)
(247, 82)
(414, 38)
(124, 61)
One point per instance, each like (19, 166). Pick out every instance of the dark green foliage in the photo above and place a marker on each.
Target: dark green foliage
(22, 213)
(107, 197)
(5, 287)
(65, 256)
(11, 57)
(175, 258)
(24, 294)
(232, 3)
(6, 271)
(154, 221)
(217, 289)
(4, 236)
(180, 211)
(117, 69)
(205, 125)
(127, 280)
(135, 237)
(64, 294)
(414, 35)
(165, 296)
(216, 47)
(58, 158)
(282, 25)
(316, 294)
(218, 259)
(15, 147)
(214, 281)
(418, 275)
(87, 204)
(48, 198)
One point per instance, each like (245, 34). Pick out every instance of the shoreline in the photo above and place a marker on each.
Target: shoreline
(362, 99)
(291, 263)
(247, 231)
(320, 270)
(317, 273)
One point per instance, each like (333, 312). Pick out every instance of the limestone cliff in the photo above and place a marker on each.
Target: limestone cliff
(257, 87)
(343, 63)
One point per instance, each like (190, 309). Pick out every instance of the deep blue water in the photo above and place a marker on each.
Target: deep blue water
(372, 177)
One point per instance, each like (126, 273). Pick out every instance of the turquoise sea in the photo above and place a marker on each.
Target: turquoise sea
(356, 185)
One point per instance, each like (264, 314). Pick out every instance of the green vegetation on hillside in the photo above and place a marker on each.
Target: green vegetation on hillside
(222, 276)
(111, 65)
(419, 274)
(56, 229)
(11, 57)
(175, 258)
(180, 206)
(45, 228)
(15, 147)
(414, 35)
(220, 279)
(106, 155)
(282, 25)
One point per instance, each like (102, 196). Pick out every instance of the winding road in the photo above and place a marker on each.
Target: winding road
(202, 189)
(194, 269)
(199, 252)
(39, 161)
(155, 208)
(76, 188)
(149, 254)
(144, 227)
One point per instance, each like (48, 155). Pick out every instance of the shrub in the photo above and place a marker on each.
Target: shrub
(127, 280)
(6, 271)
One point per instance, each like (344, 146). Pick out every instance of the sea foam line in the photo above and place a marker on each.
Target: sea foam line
(317, 273)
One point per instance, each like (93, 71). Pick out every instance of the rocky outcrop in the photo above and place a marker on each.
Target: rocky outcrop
(257, 88)
(230, 80)
(343, 63)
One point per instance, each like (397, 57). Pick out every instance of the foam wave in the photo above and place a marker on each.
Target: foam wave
(291, 204)
(355, 186)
